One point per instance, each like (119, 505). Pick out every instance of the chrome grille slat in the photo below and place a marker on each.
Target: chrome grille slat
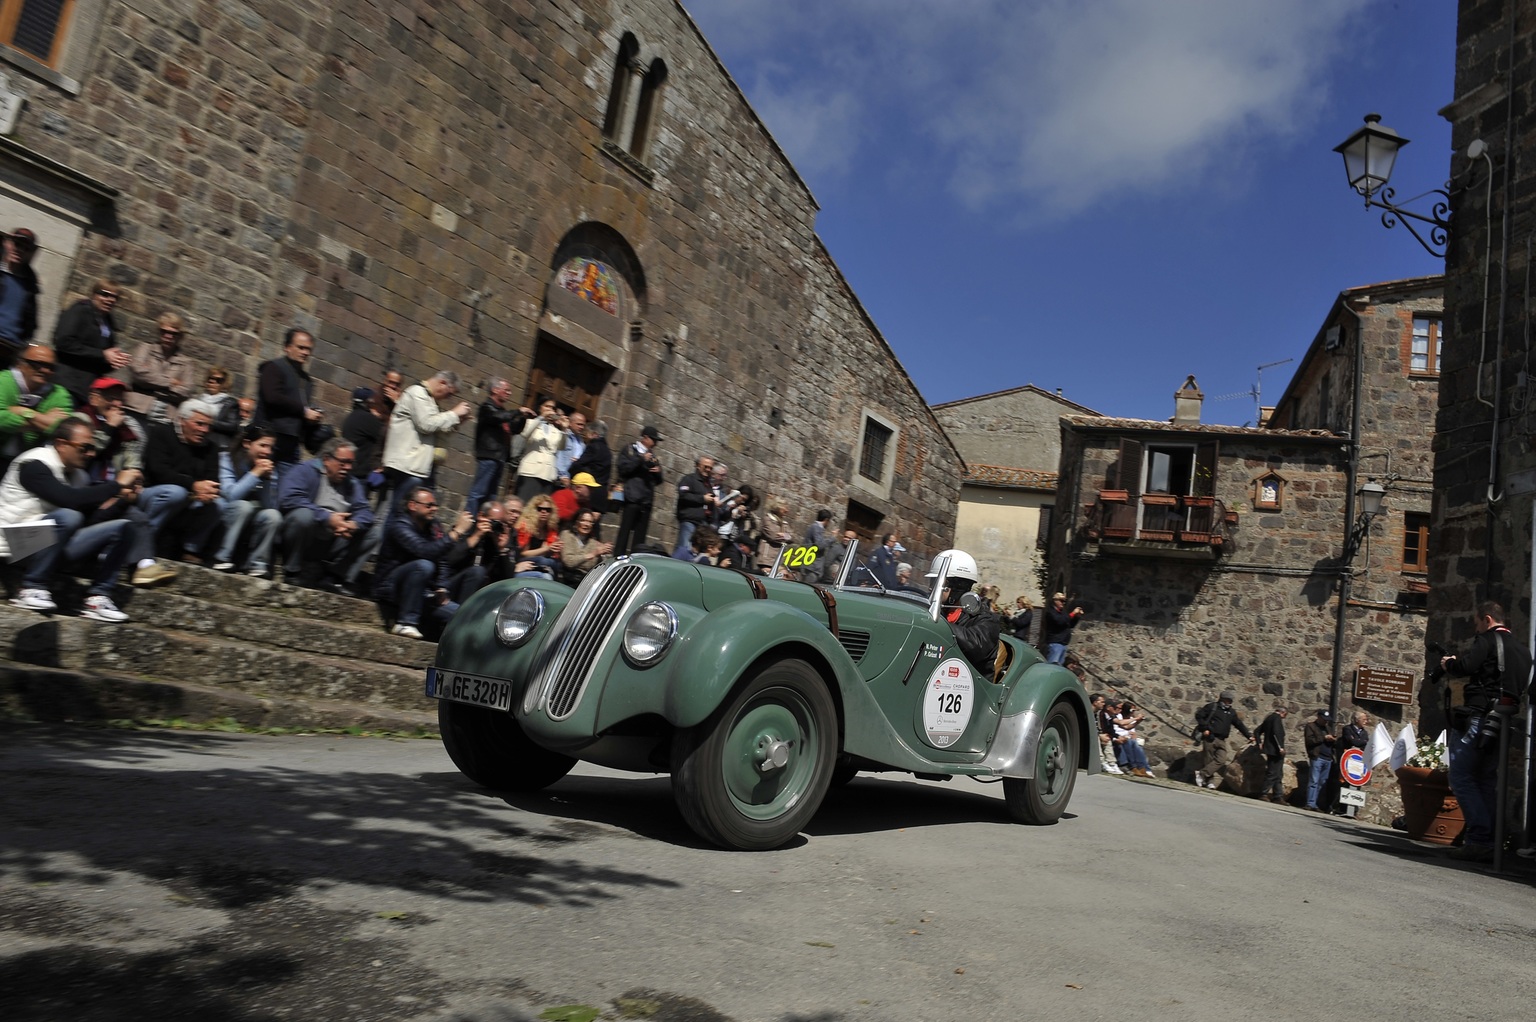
(597, 613)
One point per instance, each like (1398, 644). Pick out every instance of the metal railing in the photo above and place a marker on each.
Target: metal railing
(1158, 517)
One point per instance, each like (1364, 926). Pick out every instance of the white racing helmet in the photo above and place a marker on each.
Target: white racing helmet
(961, 565)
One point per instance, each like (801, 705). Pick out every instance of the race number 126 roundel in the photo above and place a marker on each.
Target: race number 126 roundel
(947, 703)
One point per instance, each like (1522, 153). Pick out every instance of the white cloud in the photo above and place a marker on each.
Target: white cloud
(1049, 106)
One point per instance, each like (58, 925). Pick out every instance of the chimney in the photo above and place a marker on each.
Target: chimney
(1186, 402)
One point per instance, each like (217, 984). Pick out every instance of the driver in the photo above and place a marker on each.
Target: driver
(976, 626)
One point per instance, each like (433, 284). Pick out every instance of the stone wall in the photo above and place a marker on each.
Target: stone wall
(1172, 631)
(1019, 428)
(404, 179)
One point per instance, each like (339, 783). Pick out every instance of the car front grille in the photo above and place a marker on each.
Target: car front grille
(856, 643)
(585, 629)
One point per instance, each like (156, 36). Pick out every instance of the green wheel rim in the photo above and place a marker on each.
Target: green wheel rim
(777, 723)
(1052, 771)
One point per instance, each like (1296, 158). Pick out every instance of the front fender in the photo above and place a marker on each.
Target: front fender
(469, 641)
(1041, 687)
(715, 653)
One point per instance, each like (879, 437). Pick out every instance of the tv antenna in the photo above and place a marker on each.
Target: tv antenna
(1258, 378)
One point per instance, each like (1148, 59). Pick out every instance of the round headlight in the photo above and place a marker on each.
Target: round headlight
(649, 633)
(519, 615)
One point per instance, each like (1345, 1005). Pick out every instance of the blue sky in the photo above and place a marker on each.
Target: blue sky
(1101, 196)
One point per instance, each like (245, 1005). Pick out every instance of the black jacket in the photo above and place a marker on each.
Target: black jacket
(79, 345)
(976, 632)
(1271, 735)
(1219, 719)
(405, 541)
(167, 459)
(690, 498)
(494, 429)
(1059, 625)
(634, 472)
(282, 394)
(1316, 737)
(596, 459)
(1480, 663)
(365, 431)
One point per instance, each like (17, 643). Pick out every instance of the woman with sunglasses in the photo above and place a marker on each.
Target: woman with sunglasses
(226, 424)
(85, 339)
(537, 540)
(163, 376)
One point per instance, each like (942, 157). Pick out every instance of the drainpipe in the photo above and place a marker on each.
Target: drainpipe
(1351, 472)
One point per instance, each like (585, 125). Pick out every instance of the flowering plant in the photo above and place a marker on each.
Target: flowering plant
(1429, 754)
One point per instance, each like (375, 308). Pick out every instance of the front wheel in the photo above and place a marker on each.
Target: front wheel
(490, 748)
(1043, 798)
(754, 773)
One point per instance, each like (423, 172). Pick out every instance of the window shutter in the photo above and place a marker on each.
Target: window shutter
(1130, 467)
(1205, 469)
(1043, 537)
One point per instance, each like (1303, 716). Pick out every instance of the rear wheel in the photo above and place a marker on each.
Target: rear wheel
(1043, 798)
(754, 773)
(491, 749)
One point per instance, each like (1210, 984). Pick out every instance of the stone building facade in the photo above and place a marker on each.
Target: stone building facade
(1011, 443)
(574, 195)
(1212, 557)
(1485, 459)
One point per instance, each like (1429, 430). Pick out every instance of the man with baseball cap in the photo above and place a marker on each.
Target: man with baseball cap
(1213, 724)
(18, 294)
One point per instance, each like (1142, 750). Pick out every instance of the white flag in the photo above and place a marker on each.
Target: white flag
(1404, 748)
(1379, 747)
(1445, 752)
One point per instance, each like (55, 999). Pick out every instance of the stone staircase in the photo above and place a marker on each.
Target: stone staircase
(212, 647)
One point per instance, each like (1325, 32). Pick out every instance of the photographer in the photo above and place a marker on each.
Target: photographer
(1059, 622)
(1497, 668)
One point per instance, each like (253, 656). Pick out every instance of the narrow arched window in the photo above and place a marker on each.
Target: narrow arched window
(619, 89)
(648, 109)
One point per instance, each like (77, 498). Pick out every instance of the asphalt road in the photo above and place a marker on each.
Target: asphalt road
(158, 875)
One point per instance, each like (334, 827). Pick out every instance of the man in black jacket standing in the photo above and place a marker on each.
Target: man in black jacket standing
(1059, 622)
(495, 425)
(283, 395)
(640, 474)
(597, 461)
(85, 338)
(1213, 724)
(695, 503)
(1497, 667)
(1270, 736)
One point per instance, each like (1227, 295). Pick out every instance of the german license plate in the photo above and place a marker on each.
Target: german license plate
(1348, 797)
(492, 693)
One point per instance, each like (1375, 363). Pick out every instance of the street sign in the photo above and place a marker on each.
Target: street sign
(1353, 769)
(1385, 684)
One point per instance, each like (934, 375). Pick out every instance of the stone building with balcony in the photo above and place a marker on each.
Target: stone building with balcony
(574, 196)
(1011, 443)
(1210, 557)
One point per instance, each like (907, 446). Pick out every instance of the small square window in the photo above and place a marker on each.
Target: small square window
(1415, 542)
(35, 27)
(873, 450)
(1424, 354)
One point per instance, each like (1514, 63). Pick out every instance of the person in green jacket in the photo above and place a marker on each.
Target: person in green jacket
(31, 404)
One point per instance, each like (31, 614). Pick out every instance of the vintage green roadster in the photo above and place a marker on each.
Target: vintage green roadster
(755, 693)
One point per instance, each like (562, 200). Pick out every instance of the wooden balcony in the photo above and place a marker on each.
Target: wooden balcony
(1165, 520)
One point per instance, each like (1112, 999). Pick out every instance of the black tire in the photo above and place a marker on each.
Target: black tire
(490, 749)
(1042, 799)
(842, 773)
(718, 779)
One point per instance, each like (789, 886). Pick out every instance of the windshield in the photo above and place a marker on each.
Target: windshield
(856, 575)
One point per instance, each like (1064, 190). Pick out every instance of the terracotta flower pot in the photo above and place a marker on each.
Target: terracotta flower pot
(1430, 812)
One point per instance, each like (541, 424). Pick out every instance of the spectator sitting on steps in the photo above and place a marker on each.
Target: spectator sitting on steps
(411, 578)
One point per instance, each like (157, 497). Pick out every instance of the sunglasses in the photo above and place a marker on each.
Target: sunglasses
(86, 446)
(106, 294)
(42, 367)
(172, 333)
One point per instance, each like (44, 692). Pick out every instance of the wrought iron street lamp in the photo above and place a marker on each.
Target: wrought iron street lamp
(1369, 155)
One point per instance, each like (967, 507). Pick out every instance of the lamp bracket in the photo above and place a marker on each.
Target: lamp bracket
(1439, 218)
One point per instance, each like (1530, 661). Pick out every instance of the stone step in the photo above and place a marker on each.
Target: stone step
(167, 654)
(263, 594)
(51, 694)
(169, 608)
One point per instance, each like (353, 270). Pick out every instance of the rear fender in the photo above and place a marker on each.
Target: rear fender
(1041, 687)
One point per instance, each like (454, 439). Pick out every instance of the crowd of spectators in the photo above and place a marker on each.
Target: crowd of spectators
(154, 461)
